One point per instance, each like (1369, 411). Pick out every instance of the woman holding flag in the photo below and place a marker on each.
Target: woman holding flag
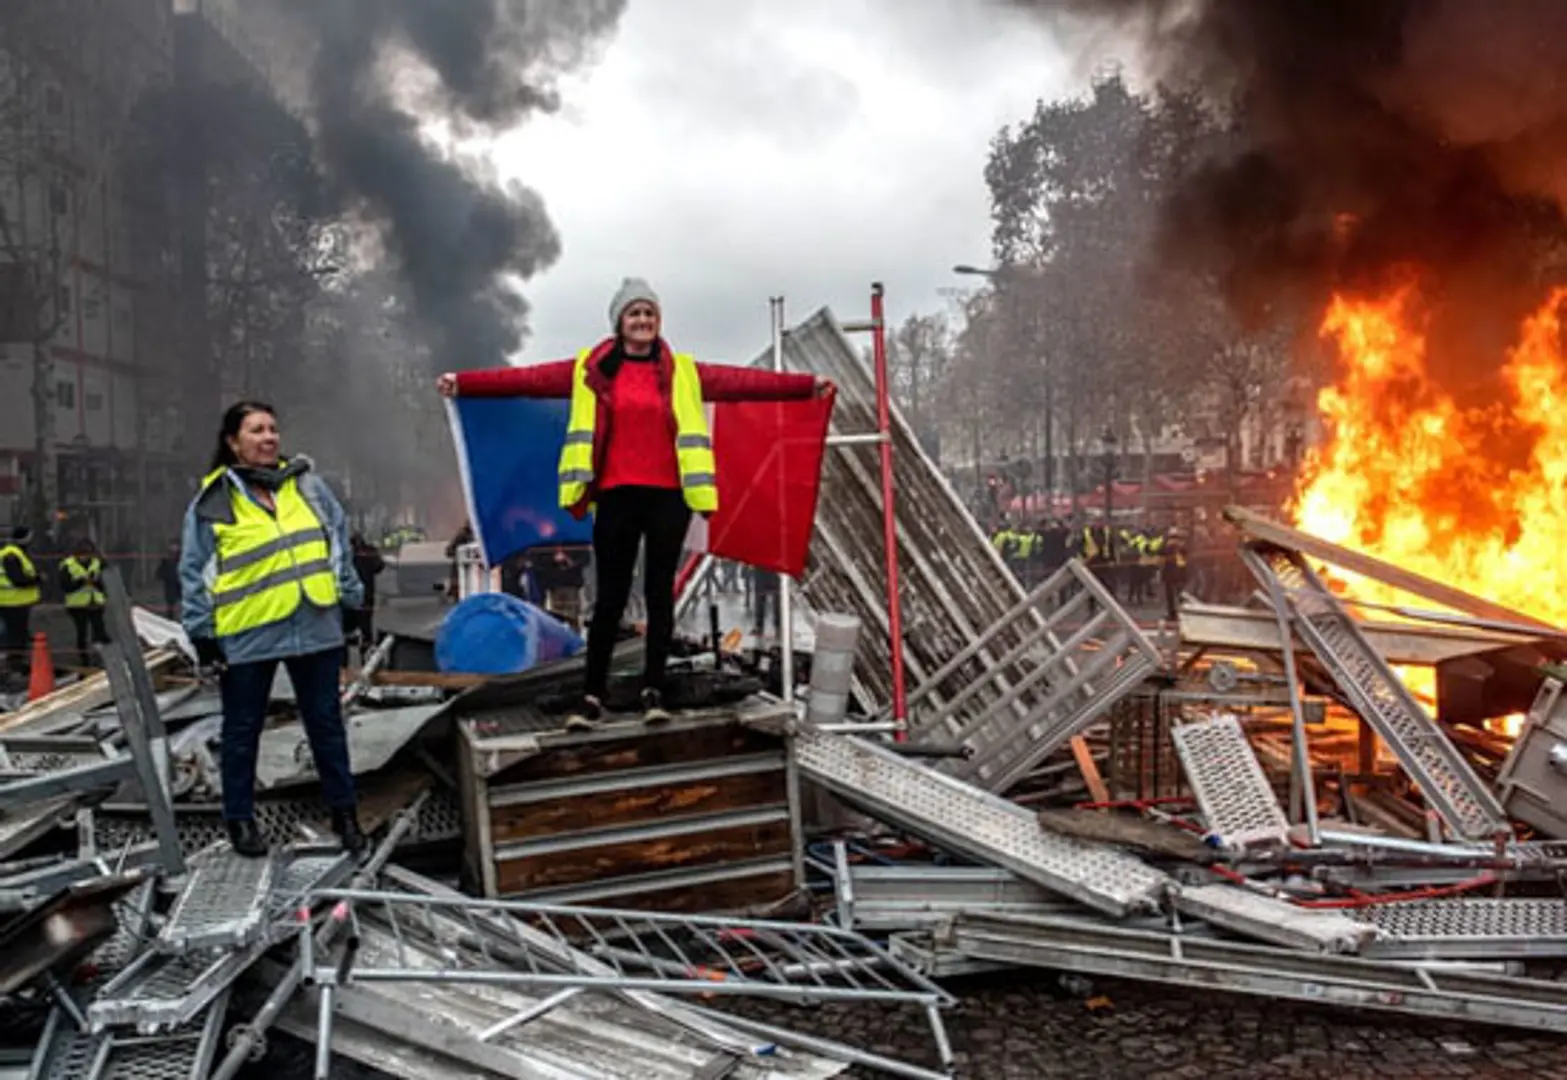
(639, 454)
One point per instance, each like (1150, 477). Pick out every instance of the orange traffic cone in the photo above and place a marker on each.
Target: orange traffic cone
(40, 682)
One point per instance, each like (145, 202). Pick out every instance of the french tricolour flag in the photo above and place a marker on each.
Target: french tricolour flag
(769, 457)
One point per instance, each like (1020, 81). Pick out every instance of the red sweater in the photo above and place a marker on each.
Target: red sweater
(634, 434)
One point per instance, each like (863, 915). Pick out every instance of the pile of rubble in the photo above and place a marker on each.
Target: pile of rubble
(1252, 801)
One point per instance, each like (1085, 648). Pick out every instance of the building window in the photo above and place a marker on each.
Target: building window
(65, 394)
(94, 402)
(54, 101)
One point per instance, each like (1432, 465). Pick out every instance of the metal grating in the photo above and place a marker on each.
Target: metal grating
(130, 913)
(963, 818)
(1233, 791)
(1278, 921)
(181, 1055)
(1448, 782)
(440, 818)
(1469, 928)
(223, 903)
(65, 1053)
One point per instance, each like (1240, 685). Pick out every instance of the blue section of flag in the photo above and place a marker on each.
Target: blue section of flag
(509, 449)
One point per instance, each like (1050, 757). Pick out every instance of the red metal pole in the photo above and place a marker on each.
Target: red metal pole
(889, 519)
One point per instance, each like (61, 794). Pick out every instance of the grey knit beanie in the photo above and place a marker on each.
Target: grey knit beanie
(631, 290)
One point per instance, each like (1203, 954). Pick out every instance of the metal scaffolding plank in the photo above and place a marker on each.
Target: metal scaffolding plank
(963, 818)
(1185, 960)
(66, 1053)
(1277, 921)
(1468, 928)
(223, 903)
(180, 1055)
(954, 585)
(1236, 799)
(1447, 781)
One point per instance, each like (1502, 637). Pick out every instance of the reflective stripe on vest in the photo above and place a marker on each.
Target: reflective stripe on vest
(693, 442)
(14, 593)
(82, 593)
(268, 562)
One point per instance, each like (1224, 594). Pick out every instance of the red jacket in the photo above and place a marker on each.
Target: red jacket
(720, 382)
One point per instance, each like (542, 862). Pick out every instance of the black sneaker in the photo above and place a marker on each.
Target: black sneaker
(588, 714)
(653, 711)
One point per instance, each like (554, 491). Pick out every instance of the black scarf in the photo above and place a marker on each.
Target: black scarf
(617, 355)
(270, 477)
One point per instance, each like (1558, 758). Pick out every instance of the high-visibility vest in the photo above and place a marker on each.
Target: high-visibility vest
(268, 563)
(693, 441)
(15, 593)
(83, 591)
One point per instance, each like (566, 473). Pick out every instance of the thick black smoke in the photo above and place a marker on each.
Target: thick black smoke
(1373, 136)
(460, 238)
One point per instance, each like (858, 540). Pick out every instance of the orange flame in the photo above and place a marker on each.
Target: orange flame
(1470, 494)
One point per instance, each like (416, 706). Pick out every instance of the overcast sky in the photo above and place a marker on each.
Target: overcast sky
(729, 150)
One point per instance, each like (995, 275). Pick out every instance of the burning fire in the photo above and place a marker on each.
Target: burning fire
(1470, 493)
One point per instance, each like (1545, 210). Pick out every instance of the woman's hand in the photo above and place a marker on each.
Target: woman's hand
(824, 386)
(446, 385)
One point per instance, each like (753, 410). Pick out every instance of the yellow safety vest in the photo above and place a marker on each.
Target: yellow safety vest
(82, 593)
(268, 562)
(693, 442)
(14, 593)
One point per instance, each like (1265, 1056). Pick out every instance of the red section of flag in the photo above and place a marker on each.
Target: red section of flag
(769, 458)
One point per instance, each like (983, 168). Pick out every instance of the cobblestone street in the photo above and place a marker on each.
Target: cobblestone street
(1015, 1027)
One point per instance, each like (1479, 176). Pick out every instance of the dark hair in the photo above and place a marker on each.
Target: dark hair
(233, 418)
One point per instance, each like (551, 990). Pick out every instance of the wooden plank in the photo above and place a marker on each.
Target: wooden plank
(1262, 528)
(36, 717)
(571, 813)
(1085, 765)
(575, 866)
(648, 748)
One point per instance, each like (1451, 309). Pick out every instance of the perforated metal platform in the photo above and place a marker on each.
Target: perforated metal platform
(1236, 799)
(223, 904)
(181, 1055)
(1465, 928)
(963, 818)
(1278, 921)
(160, 992)
(1449, 784)
(64, 1053)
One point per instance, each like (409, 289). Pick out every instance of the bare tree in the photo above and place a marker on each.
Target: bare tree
(918, 353)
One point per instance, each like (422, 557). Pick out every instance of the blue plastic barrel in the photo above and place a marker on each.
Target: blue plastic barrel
(498, 634)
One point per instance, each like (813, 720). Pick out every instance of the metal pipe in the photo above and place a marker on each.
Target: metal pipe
(889, 519)
(872, 439)
(247, 1037)
(1409, 847)
(537, 1009)
(785, 582)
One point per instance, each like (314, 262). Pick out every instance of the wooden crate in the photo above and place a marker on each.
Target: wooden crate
(699, 814)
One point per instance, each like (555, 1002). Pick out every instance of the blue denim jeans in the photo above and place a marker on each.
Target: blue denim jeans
(247, 689)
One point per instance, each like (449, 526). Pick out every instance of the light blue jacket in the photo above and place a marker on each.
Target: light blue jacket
(309, 629)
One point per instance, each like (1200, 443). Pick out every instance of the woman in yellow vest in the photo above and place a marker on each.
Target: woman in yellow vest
(265, 571)
(81, 583)
(638, 453)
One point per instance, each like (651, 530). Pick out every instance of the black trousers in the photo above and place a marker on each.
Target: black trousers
(85, 620)
(626, 517)
(16, 641)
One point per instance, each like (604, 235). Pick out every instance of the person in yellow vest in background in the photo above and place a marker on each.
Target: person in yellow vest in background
(266, 571)
(81, 583)
(639, 455)
(19, 594)
(1173, 571)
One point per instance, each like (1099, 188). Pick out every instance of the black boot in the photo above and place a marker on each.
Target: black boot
(346, 824)
(246, 839)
